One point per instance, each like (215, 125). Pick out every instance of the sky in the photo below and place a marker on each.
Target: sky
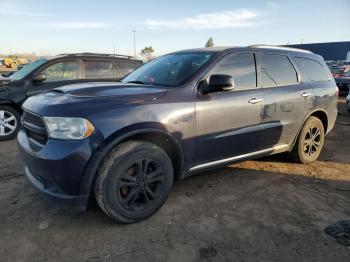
(64, 26)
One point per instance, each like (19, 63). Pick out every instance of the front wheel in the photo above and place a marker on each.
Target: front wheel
(310, 142)
(133, 181)
(9, 122)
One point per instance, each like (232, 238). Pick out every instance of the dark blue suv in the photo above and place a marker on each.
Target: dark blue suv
(185, 112)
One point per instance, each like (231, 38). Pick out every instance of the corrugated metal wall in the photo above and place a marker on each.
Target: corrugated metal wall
(330, 51)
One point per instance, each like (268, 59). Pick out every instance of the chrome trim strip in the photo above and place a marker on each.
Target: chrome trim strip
(231, 159)
(248, 129)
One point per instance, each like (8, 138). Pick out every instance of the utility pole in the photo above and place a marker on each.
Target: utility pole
(302, 41)
(134, 31)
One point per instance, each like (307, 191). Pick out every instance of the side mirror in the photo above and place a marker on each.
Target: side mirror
(216, 83)
(39, 78)
(221, 83)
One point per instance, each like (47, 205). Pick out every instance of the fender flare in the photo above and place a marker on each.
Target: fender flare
(10, 103)
(303, 122)
(100, 153)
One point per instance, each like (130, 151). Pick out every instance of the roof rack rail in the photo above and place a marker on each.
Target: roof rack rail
(97, 54)
(280, 47)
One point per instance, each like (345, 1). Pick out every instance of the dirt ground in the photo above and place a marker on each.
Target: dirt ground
(263, 210)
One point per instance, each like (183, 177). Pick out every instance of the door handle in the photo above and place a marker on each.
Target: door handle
(255, 100)
(305, 94)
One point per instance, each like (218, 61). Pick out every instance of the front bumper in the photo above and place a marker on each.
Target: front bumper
(58, 169)
(55, 195)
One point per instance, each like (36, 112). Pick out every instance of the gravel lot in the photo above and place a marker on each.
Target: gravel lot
(263, 210)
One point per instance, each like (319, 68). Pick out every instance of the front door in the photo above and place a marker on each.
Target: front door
(57, 74)
(228, 122)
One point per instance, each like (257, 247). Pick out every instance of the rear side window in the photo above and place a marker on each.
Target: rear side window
(313, 69)
(62, 71)
(125, 67)
(98, 69)
(241, 67)
(275, 70)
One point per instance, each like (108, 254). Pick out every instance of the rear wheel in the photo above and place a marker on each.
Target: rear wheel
(133, 181)
(9, 122)
(310, 142)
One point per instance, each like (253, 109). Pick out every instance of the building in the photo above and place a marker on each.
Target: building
(329, 51)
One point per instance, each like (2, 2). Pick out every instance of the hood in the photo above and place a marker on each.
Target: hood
(4, 80)
(91, 97)
(110, 90)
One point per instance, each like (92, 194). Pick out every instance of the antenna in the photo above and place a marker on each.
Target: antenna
(134, 31)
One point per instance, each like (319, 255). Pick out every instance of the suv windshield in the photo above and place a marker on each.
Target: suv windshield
(27, 69)
(169, 70)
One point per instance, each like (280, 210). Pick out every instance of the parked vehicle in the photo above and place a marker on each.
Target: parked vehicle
(45, 74)
(331, 63)
(345, 63)
(348, 102)
(343, 83)
(7, 74)
(182, 113)
(337, 71)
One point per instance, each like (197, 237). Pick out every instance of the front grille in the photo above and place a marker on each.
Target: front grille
(35, 127)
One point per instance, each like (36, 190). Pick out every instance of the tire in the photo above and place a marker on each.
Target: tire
(10, 121)
(127, 191)
(309, 144)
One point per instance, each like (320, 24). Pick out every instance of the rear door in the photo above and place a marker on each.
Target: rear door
(97, 70)
(229, 122)
(286, 99)
(58, 73)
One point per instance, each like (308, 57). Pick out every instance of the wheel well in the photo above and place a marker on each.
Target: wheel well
(167, 144)
(11, 104)
(323, 117)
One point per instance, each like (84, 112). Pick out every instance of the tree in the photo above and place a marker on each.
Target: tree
(147, 53)
(210, 42)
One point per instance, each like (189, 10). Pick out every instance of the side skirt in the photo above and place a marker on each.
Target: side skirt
(225, 161)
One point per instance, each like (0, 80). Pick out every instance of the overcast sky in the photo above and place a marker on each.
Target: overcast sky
(65, 26)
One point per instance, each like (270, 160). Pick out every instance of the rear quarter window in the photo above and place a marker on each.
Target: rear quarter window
(313, 69)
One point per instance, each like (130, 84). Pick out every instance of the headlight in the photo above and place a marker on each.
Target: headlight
(68, 127)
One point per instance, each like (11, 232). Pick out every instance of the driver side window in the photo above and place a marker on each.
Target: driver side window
(62, 71)
(241, 67)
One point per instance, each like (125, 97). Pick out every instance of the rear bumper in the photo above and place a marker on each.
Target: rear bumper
(343, 88)
(54, 194)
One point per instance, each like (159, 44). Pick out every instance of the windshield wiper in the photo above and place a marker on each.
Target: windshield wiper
(136, 82)
(143, 83)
